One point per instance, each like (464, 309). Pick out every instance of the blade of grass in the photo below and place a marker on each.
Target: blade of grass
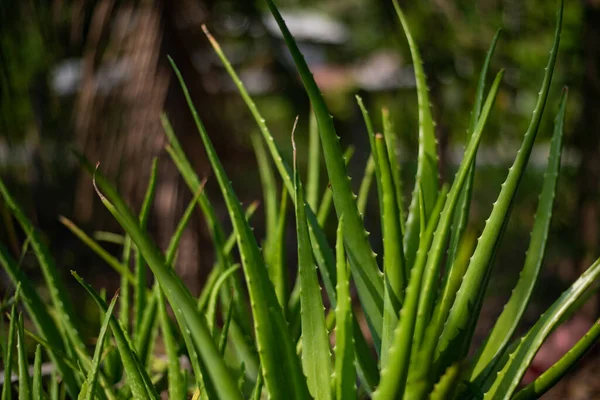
(314, 162)
(174, 375)
(371, 135)
(393, 376)
(345, 372)
(138, 383)
(109, 237)
(427, 165)
(174, 289)
(225, 330)
(69, 330)
(327, 198)
(211, 308)
(281, 366)
(510, 317)
(366, 273)
(278, 270)
(8, 359)
(365, 185)
(92, 377)
(140, 287)
(393, 256)
(316, 356)
(461, 216)
(214, 226)
(321, 249)
(36, 389)
(269, 187)
(230, 243)
(113, 262)
(38, 312)
(143, 341)
(390, 140)
(24, 383)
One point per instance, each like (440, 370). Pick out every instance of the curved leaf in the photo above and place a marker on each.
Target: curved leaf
(466, 307)
(393, 256)
(513, 311)
(316, 356)
(427, 168)
(92, 377)
(508, 379)
(550, 377)
(393, 376)
(366, 273)
(280, 364)
(137, 378)
(345, 372)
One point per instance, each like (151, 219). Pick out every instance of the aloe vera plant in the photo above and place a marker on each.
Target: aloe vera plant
(421, 304)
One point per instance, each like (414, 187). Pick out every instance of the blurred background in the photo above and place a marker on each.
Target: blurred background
(93, 75)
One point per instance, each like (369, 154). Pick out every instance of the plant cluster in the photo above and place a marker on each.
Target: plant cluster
(250, 334)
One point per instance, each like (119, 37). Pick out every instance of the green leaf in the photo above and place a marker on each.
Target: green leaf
(137, 378)
(371, 135)
(140, 287)
(45, 324)
(92, 377)
(393, 256)
(225, 330)
(508, 379)
(436, 253)
(390, 140)
(122, 269)
(444, 389)
(230, 243)
(427, 168)
(461, 215)
(24, 383)
(314, 163)
(365, 185)
(327, 198)
(8, 359)
(366, 273)
(466, 307)
(345, 372)
(174, 374)
(556, 372)
(269, 187)
(393, 376)
(316, 356)
(321, 249)
(214, 226)
(58, 292)
(278, 270)
(512, 313)
(211, 308)
(176, 293)
(280, 364)
(36, 389)
(144, 340)
(183, 222)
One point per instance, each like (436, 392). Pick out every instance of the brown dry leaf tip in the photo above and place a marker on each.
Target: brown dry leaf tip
(293, 141)
(117, 293)
(102, 197)
(378, 136)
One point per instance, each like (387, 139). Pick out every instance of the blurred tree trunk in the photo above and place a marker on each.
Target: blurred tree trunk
(587, 141)
(121, 127)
